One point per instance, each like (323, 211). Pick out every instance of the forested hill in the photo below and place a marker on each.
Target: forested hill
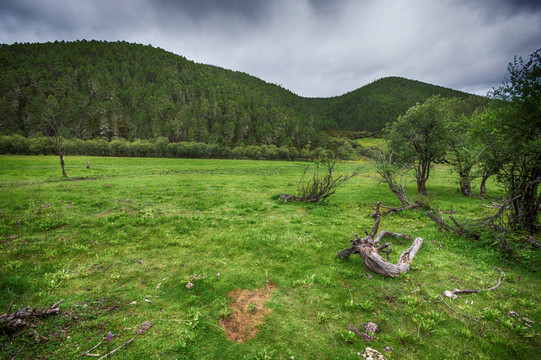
(118, 89)
(374, 105)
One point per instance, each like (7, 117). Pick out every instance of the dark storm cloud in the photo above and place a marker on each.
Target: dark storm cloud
(250, 10)
(312, 47)
(515, 6)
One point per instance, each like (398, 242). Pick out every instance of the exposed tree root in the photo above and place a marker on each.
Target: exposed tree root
(369, 250)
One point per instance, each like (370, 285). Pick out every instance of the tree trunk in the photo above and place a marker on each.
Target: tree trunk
(422, 172)
(526, 207)
(483, 187)
(465, 186)
(62, 165)
(369, 250)
(421, 186)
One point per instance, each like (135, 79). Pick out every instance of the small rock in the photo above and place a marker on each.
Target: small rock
(189, 285)
(371, 327)
(144, 327)
(371, 354)
(513, 313)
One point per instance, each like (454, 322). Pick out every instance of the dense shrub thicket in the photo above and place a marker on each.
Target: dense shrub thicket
(161, 147)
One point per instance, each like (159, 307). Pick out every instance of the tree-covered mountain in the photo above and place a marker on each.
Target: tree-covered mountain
(374, 105)
(114, 90)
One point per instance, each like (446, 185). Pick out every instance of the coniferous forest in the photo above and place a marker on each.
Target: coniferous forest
(118, 90)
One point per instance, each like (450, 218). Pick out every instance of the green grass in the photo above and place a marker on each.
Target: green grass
(373, 143)
(105, 238)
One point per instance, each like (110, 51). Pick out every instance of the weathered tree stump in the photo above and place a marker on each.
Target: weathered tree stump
(369, 249)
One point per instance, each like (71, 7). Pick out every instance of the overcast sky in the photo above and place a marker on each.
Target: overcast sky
(315, 48)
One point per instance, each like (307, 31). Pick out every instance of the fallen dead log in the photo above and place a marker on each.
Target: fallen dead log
(369, 249)
(452, 293)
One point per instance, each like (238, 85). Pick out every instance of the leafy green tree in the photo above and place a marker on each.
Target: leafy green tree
(463, 148)
(488, 148)
(420, 138)
(514, 131)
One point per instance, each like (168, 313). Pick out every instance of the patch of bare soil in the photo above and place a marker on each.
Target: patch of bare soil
(247, 313)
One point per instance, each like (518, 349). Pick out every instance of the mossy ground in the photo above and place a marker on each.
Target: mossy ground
(106, 237)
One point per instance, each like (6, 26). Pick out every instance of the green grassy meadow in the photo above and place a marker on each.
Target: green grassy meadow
(119, 242)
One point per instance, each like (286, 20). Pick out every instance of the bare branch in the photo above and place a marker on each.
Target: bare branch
(377, 217)
(452, 294)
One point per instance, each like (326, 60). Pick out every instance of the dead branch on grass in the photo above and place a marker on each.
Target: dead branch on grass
(471, 229)
(456, 227)
(452, 294)
(24, 317)
(142, 329)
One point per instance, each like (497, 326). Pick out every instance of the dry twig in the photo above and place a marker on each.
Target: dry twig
(88, 351)
(142, 329)
(452, 294)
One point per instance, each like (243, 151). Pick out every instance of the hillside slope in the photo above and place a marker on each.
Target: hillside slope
(118, 89)
(374, 105)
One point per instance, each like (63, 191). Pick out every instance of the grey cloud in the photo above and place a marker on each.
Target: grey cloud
(515, 6)
(251, 10)
(312, 47)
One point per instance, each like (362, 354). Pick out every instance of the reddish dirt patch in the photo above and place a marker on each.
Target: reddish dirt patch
(248, 312)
